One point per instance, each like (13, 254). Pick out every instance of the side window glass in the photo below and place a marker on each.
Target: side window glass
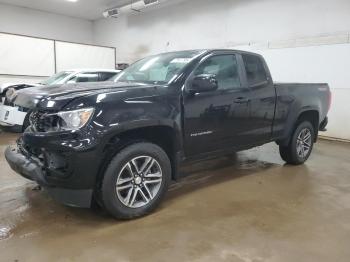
(254, 69)
(106, 76)
(84, 77)
(224, 67)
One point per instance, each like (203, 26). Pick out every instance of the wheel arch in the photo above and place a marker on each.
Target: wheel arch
(311, 115)
(164, 136)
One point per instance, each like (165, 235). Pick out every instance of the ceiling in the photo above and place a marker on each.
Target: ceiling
(87, 9)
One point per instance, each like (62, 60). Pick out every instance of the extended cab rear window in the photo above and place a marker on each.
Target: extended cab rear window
(254, 68)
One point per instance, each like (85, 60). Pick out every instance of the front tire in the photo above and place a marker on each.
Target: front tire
(300, 145)
(136, 181)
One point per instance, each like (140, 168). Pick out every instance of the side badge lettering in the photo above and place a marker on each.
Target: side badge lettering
(202, 133)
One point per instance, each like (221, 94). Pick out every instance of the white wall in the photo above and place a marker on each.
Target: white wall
(207, 23)
(20, 20)
(71, 55)
(22, 55)
(326, 63)
(279, 29)
(29, 56)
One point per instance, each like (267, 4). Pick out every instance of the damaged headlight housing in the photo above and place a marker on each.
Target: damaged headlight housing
(62, 121)
(71, 120)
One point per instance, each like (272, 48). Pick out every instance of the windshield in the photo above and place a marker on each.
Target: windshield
(55, 79)
(158, 69)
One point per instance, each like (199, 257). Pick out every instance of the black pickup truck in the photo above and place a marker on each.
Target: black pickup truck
(120, 143)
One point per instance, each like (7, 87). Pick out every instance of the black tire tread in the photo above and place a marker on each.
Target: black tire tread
(124, 213)
(288, 153)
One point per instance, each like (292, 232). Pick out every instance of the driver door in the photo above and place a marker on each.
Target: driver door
(215, 120)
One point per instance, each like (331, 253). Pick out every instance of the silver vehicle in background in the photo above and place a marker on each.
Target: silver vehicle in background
(15, 117)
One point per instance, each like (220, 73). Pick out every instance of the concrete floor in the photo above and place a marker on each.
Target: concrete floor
(252, 208)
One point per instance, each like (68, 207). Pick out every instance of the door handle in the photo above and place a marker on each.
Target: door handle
(241, 100)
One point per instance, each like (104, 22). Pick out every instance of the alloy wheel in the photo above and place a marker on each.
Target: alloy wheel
(304, 143)
(139, 181)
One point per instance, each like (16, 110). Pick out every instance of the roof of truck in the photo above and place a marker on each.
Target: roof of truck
(203, 51)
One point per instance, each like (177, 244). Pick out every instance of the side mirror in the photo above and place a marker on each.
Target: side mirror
(204, 83)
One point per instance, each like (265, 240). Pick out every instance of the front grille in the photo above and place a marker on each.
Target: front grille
(42, 121)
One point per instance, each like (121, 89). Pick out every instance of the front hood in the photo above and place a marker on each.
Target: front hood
(57, 96)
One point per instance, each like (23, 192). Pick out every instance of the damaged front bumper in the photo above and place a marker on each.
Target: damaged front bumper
(31, 168)
(27, 167)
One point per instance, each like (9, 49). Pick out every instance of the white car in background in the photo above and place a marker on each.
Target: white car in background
(15, 117)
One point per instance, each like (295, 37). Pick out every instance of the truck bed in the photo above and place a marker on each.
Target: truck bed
(294, 98)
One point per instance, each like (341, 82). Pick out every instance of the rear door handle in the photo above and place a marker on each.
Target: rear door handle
(241, 100)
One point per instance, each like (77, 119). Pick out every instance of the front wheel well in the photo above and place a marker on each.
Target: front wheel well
(163, 136)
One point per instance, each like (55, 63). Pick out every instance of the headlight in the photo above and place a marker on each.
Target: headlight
(61, 121)
(71, 120)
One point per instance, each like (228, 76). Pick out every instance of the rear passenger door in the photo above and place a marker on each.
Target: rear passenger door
(262, 100)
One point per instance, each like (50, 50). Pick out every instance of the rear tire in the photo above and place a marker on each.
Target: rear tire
(136, 181)
(300, 145)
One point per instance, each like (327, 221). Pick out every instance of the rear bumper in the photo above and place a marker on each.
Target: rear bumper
(32, 169)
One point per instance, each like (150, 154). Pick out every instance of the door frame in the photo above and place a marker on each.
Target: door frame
(243, 87)
(241, 70)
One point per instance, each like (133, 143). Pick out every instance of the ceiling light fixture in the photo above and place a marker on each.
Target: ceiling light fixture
(73, 1)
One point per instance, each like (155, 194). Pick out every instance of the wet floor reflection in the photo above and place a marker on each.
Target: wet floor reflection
(24, 207)
(245, 207)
